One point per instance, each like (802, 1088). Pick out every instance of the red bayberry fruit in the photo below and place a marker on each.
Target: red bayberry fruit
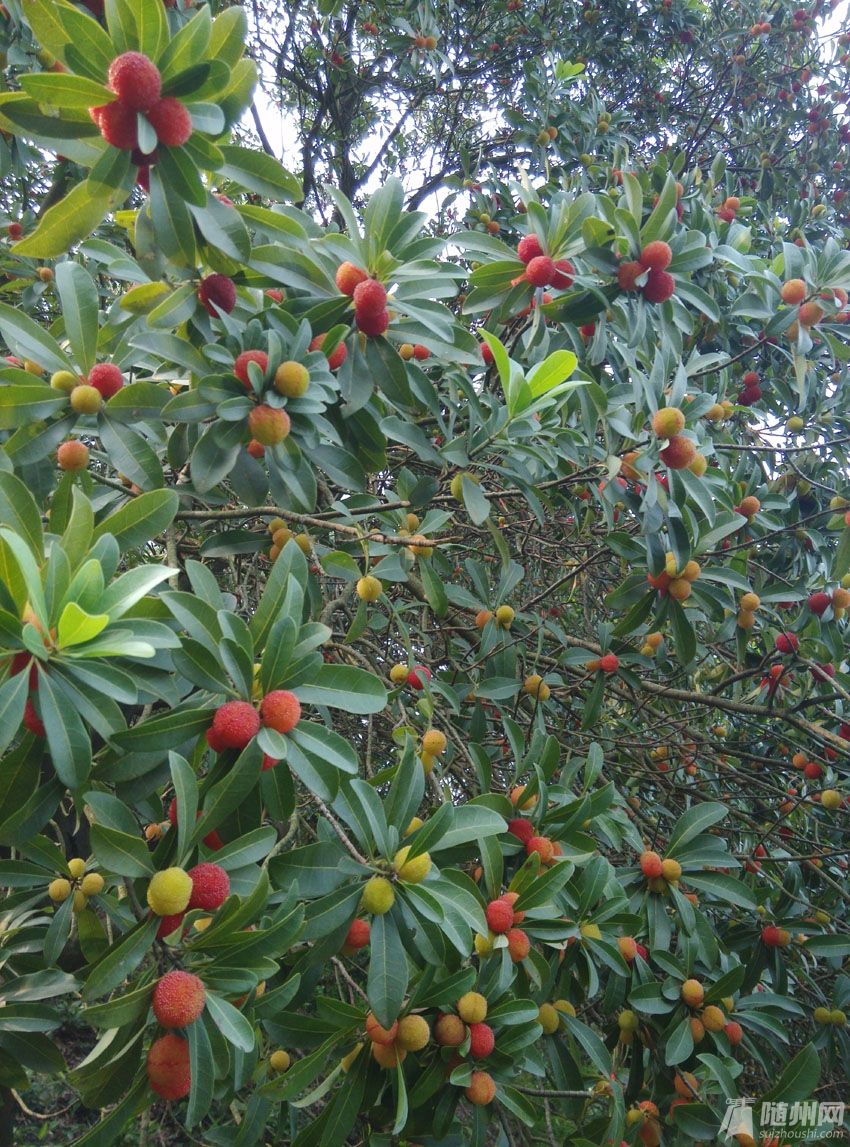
(610, 663)
(280, 710)
(418, 677)
(659, 287)
(168, 1068)
(564, 275)
(481, 1040)
(819, 603)
(656, 255)
(236, 723)
(217, 291)
(106, 378)
(337, 358)
(628, 275)
(210, 886)
(370, 298)
(357, 936)
(522, 829)
(117, 124)
(529, 248)
(540, 271)
(348, 277)
(787, 643)
(370, 324)
(178, 999)
(500, 916)
(240, 366)
(171, 121)
(135, 80)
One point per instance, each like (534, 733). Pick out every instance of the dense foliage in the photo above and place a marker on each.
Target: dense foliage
(423, 692)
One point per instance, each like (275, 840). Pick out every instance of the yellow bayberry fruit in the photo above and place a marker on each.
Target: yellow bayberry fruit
(505, 616)
(169, 892)
(434, 742)
(76, 866)
(279, 1060)
(413, 1033)
(59, 889)
(291, 379)
(378, 896)
(548, 1018)
(92, 884)
(472, 1008)
(398, 673)
(411, 871)
(565, 1006)
(369, 588)
(63, 380)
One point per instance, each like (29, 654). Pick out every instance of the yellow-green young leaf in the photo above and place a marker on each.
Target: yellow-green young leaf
(555, 369)
(227, 42)
(142, 299)
(66, 223)
(76, 626)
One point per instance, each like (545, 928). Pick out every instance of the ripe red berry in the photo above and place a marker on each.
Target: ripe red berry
(106, 378)
(169, 924)
(210, 886)
(240, 366)
(135, 80)
(773, 937)
(348, 277)
(418, 677)
(372, 325)
(420, 352)
(564, 275)
(656, 255)
(610, 663)
(280, 710)
(542, 845)
(500, 916)
(32, 721)
(522, 829)
(73, 456)
(628, 274)
(749, 396)
(178, 999)
(750, 379)
(217, 291)
(819, 603)
(540, 271)
(650, 865)
(812, 771)
(268, 425)
(481, 1040)
(659, 287)
(168, 1068)
(14, 230)
(370, 298)
(337, 358)
(529, 248)
(171, 121)
(117, 124)
(486, 353)
(235, 724)
(357, 936)
(787, 643)
(255, 449)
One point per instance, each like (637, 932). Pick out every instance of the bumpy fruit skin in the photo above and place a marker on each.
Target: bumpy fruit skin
(337, 357)
(240, 366)
(280, 710)
(678, 453)
(434, 742)
(64, 380)
(659, 287)
(291, 379)
(372, 325)
(787, 643)
(830, 799)
(135, 80)
(370, 298)
(217, 291)
(169, 924)
(449, 1031)
(734, 1032)
(481, 1089)
(92, 884)
(472, 1008)
(656, 256)
(348, 278)
(564, 275)
(210, 886)
(668, 421)
(106, 378)
(280, 1060)
(671, 870)
(388, 1055)
(685, 1084)
(379, 1034)
(411, 871)
(651, 865)
(773, 937)
(505, 616)
(610, 663)
(542, 845)
(168, 1067)
(117, 124)
(528, 248)
(85, 399)
(369, 588)
(169, 892)
(548, 1018)
(413, 1033)
(628, 948)
(522, 829)
(235, 724)
(178, 999)
(357, 937)
(398, 674)
(628, 274)
(540, 271)
(500, 916)
(76, 866)
(628, 1021)
(713, 1018)
(378, 896)
(268, 425)
(793, 292)
(171, 121)
(418, 677)
(481, 1040)
(73, 456)
(693, 993)
(59, 890)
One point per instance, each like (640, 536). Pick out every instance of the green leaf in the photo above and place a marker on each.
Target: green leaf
(260, 173)
(592, 1045)
(140, 520)
(122, 958)
(68, 221)
(800, 1077)
(27, 340)
(121, 853)
(202, 1068)
(695, 821)
(387, 982)
(235, 1027)
(723, 887)
(13, 699)
(344, 687)
(67, 739)
(76, 626)
(680, 1044)
(19, 511)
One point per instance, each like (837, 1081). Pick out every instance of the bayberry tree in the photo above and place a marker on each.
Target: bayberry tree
(423, 694)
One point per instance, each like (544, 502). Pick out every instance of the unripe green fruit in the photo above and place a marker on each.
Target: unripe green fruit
(837, 1017)
(822, 1016)
(628, 1021)
(795, 424)
(86, 399)
(456, 486)
(63, 380)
